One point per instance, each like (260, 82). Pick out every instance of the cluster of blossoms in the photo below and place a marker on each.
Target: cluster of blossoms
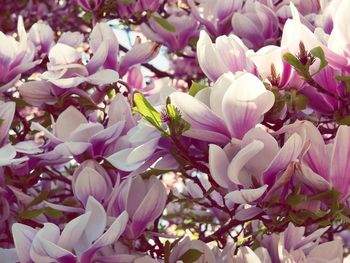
(236, 150)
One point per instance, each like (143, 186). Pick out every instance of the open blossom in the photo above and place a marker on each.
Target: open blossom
(132, 150)
(256, 24)
(230, 108)
(42, 36)
(215, 15)
(8, 151)
(66, 71)
(231, 146)
(227, 54)
(84, 235)
(128, 9)
(324, 165)
(186, 29)
(271, 66)
(257, 163)
(144, 200)
(294, 32)
(104, 43)
(16, 57)
(294, 246)
(74, 135)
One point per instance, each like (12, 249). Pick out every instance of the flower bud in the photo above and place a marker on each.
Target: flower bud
(91, 179)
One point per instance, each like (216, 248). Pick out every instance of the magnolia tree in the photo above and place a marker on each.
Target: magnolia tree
(193, 131)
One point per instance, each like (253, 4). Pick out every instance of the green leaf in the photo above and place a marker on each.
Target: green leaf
(294, 200)
(193, 42)
(31, 214)
(344, 120)
(195, 88)
(328, 195)
(344, 219)
(53, 213)
(318, 52)
(191, 256)
(301, 101)
(147, 111)
(87, 17)
(343, 78)
(164, 23)
(111, 94)
(41, 197)
(294, 62)
(127, 2)
(173, 113)
(295, 218)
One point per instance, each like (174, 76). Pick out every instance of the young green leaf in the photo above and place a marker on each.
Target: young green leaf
(147, 111)
(344, 120)
(195, 88)
(164, 24)
(31, 214)
(294, 62)
(318, 53)
(294, 200)
(301, 101)
(53, 213)
(41, 197)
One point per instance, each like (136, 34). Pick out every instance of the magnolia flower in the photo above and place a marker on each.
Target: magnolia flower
(246, 254)
(324, 165)
(78, 241)
(104, 43)
(144, 200)
(293, 246)
(135, 148)
(230, 108)
(304, 7)
(186, 29)
(73, 135)
(16, 57)
(37, 93)
(256, 159)
(186, 244)
(89, 5)
(325, 19)
(8, 152)
(322, 102)
(91, 179)
(271, 66)
(227, 54)
(128, 10)
(66, 71)
(42, 36)
(339, 39)
(256, 24)
(7, 112)
(215, 15)
(294, 32)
